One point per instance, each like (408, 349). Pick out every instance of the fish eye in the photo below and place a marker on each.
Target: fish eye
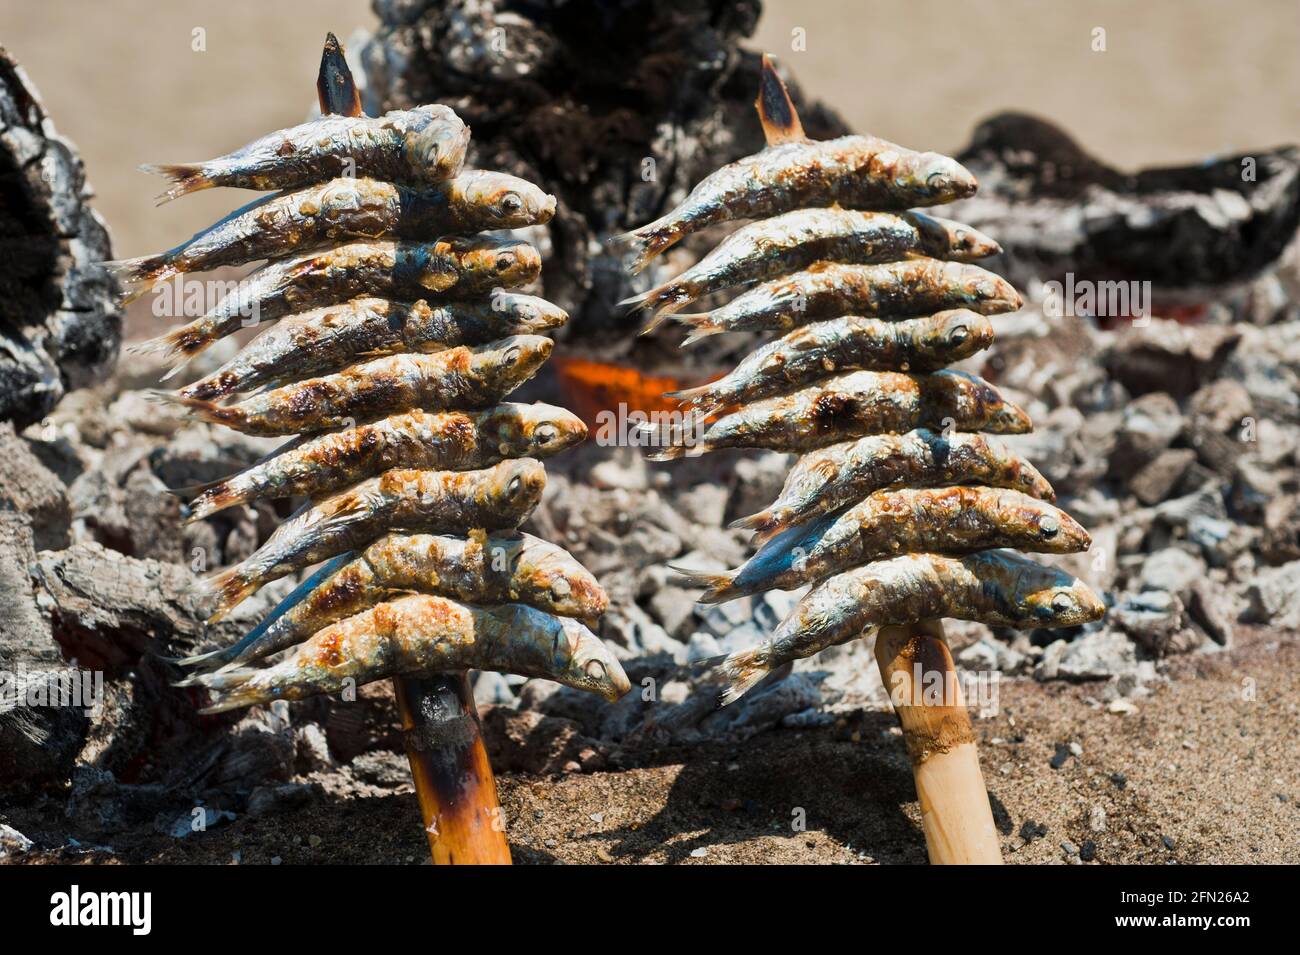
(1062, 603)
(937, 182)
(545, 434)
(511, 355)
(511, 202)
(959, 334)
(1049, 526)
(595, 669)
(561, 589)
(504, 261)
(513, 487)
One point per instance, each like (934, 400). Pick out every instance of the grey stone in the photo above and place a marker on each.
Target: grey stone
(704, 504)
(1156, 620)
(29, 487)
(1149, 425)
(1208, 606)
(1171, 569)
(1157, 479)
(12, 842)
(702, 646)
(491, 689)
(1274, 596)
(1096, 656)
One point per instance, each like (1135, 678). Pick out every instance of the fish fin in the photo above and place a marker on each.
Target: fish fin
(179, 345)
(208, 499)
(701, 325)
(634, 302)
(187, 177)
(137, 276)
(775, 111)
(754, 522)
(208, 411)
(716, 585)
(690, 396)
(743, 670)
(645, 243)
(197, 659)
(229, 587)
(335, 88)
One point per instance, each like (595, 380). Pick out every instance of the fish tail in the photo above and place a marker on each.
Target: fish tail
(742, 670)
(691, 396)
(645, 243)
(179, 346)
(754, 522)
(212, 658)
(214, 497)
(139, 275)
(186, 177)
(701, 325)
(669, 298)
(208, 411)
(668, 439)
(715, 585)
(229, 587)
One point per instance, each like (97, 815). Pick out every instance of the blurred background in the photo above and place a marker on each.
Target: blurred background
(1179, 79)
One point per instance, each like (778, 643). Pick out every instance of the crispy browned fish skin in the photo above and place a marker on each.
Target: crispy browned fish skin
(495, 498)
(843, 407)
(826, 480)
(515, 568)
(916, 286)
(290, 223)
(856, 172)
(945, 520)
(329, 339)
(795, 240)
(435, 441)
(995, 587)
(822, 349)
(424, 144)
(427, 634)
(450, 267)
(456, 377)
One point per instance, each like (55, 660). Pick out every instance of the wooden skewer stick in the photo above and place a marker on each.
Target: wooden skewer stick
(444, 739)
(449, 764)
(955, 812)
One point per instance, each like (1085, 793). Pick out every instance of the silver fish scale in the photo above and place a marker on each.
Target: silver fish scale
(900, 509)
(483, 344)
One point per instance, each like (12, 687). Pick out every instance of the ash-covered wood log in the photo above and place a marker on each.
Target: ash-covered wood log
(60, 325)
(1191, 231)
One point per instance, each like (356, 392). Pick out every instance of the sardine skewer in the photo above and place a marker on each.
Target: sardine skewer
(421, 634)
(496, 498)
(995, 587)
(843, 407)
(329, 339)
(480, 569)
(915, 286)
(433, 441)
(945, 520)
(795, 240)
(453, 267)
(291, 223)
(424, 144)
(456, 377)
(823, 349)
(828, 479)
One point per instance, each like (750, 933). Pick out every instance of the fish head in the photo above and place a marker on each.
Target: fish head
(517, 486)
(966, 243)
(1057, 531)
(933, 177)
(961, 333)
(508, 362)
(558, 583)
(546, 429)
(1000, 415)
(1064, 602)
(989, 292)
(498, 200)
(505, 264)
(434, 147)
(583, 662)
(528, 313)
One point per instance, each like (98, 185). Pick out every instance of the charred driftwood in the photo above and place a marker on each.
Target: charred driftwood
(60, 325)
(1189, 230)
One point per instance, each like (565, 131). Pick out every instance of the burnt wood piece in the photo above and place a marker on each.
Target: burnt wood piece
(1190, 230)
(60, 325)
